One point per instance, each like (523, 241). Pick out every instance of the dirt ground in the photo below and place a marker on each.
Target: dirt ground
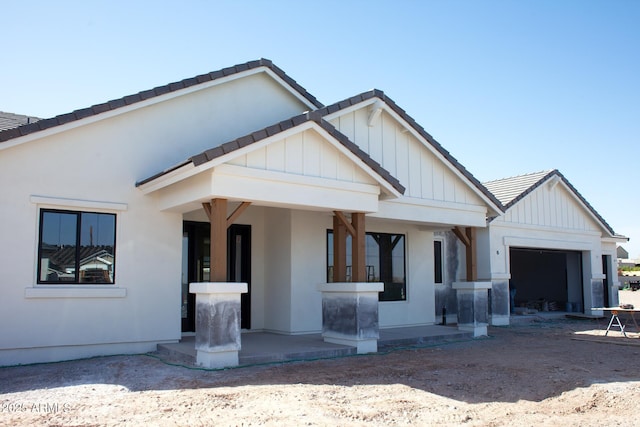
(543, 373)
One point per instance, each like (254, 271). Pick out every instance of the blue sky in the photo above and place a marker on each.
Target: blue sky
(508, 87)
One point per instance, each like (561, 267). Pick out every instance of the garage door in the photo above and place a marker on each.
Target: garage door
(546, 279)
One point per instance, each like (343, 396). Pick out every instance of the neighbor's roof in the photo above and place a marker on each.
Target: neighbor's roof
(252, 138)
(26, 129)
(11, 120)
(376, 93)
(511, 190)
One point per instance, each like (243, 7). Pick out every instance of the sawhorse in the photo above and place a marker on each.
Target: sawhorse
(614, 317)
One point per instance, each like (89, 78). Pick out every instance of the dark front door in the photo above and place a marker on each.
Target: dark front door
(196, 243)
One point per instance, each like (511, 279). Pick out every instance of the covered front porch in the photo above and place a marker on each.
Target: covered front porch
(294, 191)
(265, 347)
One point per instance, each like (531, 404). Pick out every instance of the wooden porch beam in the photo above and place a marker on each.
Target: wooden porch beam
(207, 210)
(460, 234)
(343, 219)
(241, 208)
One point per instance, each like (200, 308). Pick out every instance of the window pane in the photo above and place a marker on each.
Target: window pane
(372, 252)
(97, 248)
(437, 260)
(58, 247)
(385, 262)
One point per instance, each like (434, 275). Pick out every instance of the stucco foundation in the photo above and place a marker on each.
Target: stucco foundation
(217, 323)
(500, 303)
(473, 306)
(350, 314)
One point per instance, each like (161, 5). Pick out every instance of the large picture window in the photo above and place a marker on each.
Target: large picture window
(76, 247)
(385, 262)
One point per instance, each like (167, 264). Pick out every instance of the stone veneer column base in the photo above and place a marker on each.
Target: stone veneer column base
(217, 323)
(473, 306)
(350, 314)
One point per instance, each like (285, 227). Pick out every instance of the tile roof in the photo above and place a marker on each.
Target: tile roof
(43, 124)
(376, 93)
(282, 126)
(511, 190)
(11, 120)
(508, 189)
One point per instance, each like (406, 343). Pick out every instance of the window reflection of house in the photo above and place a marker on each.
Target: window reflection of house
(96, 264)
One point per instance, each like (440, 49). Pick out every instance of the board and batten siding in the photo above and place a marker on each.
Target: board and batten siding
(305, 154)
(417, 167)
(554, 207)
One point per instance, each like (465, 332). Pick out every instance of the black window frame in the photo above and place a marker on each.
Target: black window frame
(438, 265)
(386, 295)
(78, 237)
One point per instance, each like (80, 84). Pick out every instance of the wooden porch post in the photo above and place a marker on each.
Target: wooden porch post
(358, 269)
(468, 237)
(217, 213)
(339, 250)
(356, 228)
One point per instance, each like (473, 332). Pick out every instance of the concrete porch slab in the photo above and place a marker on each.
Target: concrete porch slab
(263, 347)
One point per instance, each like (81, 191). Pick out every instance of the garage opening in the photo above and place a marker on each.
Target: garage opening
(545, 280)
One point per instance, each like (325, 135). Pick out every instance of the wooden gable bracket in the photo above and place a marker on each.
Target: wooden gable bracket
(356, 228)
(376, 109)
(553, 182)
(468, 238)
(217, 213)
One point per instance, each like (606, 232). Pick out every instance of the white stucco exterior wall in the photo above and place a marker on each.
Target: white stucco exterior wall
(93, 165)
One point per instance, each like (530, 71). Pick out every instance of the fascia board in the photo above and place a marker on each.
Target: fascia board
(585, 208)
(366, 168)
(353, 108)
(189, 169)
(433, 212)
(288, 87)
(146, 103)
(497, 210)
(544, 229)
(570, 191)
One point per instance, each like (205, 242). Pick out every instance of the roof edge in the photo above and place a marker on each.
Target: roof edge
(377, 93)
(551, 174)
(254, 137)
(76, 115)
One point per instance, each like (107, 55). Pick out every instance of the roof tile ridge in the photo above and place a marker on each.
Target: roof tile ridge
(546, 172)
